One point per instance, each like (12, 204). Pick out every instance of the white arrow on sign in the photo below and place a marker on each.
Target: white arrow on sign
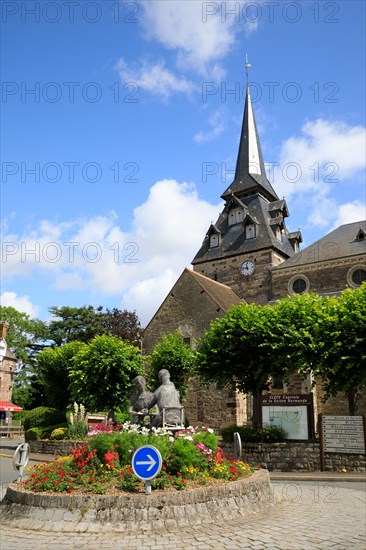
(151, 463)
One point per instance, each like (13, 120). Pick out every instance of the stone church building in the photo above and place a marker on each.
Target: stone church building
(249, 255)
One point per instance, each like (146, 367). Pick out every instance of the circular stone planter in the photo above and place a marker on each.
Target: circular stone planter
(137, 513)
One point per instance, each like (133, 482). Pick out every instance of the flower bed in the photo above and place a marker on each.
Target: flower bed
(102, 465)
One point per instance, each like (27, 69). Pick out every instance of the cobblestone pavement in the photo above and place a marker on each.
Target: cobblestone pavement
(311, 516)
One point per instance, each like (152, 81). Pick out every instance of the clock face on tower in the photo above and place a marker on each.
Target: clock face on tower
(247, 268)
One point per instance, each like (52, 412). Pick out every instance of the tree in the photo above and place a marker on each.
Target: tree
(237, 350)
(343, 363)
(101, 373)
(297, 336)
(25, 337)
(123, 324)
(75, 323)
(53, 367)
(175, 356)
(82, 324)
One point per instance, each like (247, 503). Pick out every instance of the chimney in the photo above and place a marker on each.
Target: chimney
(3, 330)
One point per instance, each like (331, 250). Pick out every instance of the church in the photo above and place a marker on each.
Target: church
(249, 255)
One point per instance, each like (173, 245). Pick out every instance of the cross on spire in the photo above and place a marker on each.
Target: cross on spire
(247, 66)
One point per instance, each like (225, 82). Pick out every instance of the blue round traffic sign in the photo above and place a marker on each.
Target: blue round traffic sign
(147, 462)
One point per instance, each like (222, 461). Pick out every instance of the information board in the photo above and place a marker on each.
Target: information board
(292, 412)
(343, 434)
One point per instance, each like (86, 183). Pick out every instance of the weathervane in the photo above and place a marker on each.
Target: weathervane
(247, 66)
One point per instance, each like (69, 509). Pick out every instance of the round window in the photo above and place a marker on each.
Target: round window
(299, 286)
(359, 277)
(356, 276)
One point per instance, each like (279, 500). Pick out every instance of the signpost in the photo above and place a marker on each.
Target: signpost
(146, 464)
(237, 445)
(341, 434)
(20, 459)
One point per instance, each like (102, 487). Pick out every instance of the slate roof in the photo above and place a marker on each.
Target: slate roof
(233, 240)
(339, 243)
(221, 295)
(250, 175)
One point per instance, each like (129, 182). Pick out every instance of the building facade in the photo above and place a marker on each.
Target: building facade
(251, 254)
(8, 363)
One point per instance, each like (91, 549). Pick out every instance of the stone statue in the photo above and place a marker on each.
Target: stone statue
(140, 400)
(166, 396)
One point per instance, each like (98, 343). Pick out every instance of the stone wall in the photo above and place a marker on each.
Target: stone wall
(55, 448)
(255, 289)
(322, 276)
(137, 513)
(297, 456)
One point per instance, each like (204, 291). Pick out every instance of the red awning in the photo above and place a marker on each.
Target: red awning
(7, 406)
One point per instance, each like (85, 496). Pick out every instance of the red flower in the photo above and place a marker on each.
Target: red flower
(69, 490)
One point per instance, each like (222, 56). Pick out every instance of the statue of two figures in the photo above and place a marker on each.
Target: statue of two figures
(165, 399)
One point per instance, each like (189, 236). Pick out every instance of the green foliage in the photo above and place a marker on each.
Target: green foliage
(274, 434)
(71, 324)
(58, 434)
(77, 430)
(47, 430)
(296, 335)
(33, 434)
(105, 462)
(184, 455)
(176, 356)
(53, 365)
(82, 324)
(25, 337)
(234, 350)
(101, 373)
(209, 439)
(342, 365)
(42, 417)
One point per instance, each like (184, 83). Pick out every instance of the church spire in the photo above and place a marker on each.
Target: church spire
(250, 173)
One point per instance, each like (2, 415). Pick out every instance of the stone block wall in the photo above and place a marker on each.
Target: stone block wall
(55, 448)
(297, 457)
(227, 271)
(322, 276)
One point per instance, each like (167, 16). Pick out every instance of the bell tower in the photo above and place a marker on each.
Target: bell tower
(250, 236)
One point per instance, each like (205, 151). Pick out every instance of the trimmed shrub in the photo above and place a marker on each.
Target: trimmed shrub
(58, 433)
(274, 434)
(33, 434)
(42, 417)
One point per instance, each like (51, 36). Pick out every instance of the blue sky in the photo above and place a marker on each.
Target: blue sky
(120, 129)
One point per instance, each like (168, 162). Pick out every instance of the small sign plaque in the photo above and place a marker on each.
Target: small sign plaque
(343, 434)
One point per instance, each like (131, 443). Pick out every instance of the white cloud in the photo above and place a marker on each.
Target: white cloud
(94, 254)
(217, 124)
(147, 295)
(350, 212)
(199, 35)
(195, 33)
(153, 77)
(317, 163)
(20, 303)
